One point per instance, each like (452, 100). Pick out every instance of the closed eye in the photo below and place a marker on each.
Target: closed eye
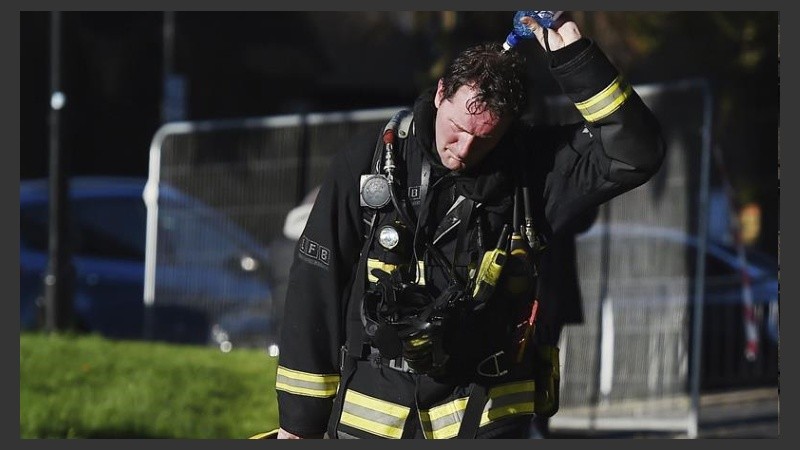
(458, 127)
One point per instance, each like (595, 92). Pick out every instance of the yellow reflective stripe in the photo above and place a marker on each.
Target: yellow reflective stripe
(373, 415)
(600, 96)
(445, 432)
(308, 384)
(496, 414)
(306, 376)
(392, 409)
(373, 263)
(272, 434)
(442, 422)
(372, 427)
(611, 107)
(508, 400)
(606, 101)
(512, 388)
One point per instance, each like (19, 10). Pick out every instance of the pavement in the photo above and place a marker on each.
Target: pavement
(741, 413)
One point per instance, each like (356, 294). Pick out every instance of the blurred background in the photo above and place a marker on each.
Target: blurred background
(186, 138)
(123, 75)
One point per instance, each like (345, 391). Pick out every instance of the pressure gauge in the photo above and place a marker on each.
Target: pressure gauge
(374, 191)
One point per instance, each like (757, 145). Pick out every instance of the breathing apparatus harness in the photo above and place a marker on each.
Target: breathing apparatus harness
(402, 321)
(400, 318)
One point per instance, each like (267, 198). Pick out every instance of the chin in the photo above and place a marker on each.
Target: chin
(455, 167)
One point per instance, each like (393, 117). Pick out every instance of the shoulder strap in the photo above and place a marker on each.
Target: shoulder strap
(471, 420)
(405, 123)
(402, 124)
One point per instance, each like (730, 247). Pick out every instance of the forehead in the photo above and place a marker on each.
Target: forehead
(458, 111)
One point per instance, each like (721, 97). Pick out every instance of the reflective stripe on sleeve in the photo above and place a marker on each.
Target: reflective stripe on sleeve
(308, 384)
(606, 101)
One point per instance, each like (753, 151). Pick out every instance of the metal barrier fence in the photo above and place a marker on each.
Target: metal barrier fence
(660, 322)
(631, 365)
(628, 366)
(217, 196)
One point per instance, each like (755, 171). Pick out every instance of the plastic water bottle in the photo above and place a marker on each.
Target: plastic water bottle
(520, 31)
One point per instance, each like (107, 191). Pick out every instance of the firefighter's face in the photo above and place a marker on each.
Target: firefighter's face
(463, 139)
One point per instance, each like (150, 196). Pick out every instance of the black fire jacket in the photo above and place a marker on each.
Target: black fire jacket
(568, 169)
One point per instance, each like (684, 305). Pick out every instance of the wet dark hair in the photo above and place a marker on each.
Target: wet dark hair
(498, 76)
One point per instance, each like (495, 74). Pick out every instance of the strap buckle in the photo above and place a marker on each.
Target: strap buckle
(399, 364)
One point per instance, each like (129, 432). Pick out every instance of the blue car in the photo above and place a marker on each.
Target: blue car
(212, 285)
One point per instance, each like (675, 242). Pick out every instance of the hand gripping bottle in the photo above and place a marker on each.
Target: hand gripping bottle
(520, 31)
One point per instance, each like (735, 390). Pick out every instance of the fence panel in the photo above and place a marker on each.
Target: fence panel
(628, 365)
(218, 194)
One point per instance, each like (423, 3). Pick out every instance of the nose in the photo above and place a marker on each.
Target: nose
(464, 145)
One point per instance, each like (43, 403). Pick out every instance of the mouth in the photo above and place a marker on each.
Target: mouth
(455, 158)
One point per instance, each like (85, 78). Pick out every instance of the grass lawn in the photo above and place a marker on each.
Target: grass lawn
(74, 386)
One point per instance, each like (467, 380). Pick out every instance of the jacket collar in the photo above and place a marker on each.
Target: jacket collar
(491, 183)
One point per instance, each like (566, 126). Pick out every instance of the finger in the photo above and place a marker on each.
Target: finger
(534, 26)
(554, 41)
(283, 434)
(569, 32)
(529, 22)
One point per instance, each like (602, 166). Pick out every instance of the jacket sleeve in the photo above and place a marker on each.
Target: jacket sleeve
(617, 148)
(312, 330)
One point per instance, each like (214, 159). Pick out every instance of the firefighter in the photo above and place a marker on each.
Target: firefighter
(413, 304)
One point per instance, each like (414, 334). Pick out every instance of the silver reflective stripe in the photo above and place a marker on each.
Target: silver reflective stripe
(442, 422)
(308, 384)
(505, 401)
(343, 435)
(378, 417)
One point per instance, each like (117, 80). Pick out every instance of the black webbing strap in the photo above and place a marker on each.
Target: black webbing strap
(346, 370)
(466, 215)
(548, 52)
(357, 277)
(411, 425)
(473, 412)
(424, 179)
(354, 338)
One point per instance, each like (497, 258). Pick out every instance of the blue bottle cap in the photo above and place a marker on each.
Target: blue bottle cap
(511, 41)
